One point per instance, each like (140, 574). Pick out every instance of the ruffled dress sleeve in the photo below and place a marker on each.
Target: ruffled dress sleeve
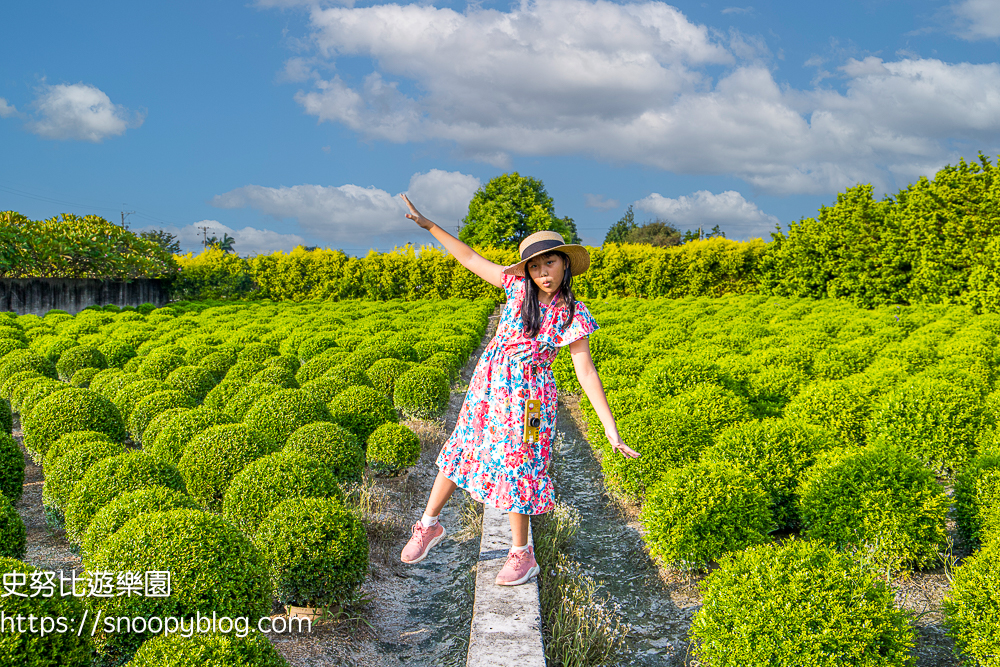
(583, 325)
(512, 285)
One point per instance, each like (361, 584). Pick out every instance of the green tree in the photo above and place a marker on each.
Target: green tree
(167, 241)
(621, 229)
(225, 244)
(509, 208)
(657, 232)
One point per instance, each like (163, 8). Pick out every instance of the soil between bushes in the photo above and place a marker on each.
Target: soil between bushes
(406, 615)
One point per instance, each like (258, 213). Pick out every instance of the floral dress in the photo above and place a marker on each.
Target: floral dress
(485, 454)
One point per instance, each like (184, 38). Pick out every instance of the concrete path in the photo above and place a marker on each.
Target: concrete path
(506, 620)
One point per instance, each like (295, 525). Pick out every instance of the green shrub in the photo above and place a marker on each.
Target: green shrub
(213, 457)
(35, 392)
(239, 405)
(422, 393)
(263, 484)
(331, 444)
(217, 362)
(126, 507)
(81, 356)
(244, 370)
(716, 406)
(696, 514)
(158, 423)
(772, 387)
(362, 410)
(130, 394)
(879, 500)
(932, 419)
(25, 360)
(316, 551)
(799, 603)
(977, 490)
(6, 417)
(257, 353)
(672, 375)
(11, 468)
(776, 452)
(83, 377)
(64, 471)
(320, 365)
(159, 365)
(210, 650)
(116, 352)
(132, 366)
(7, 389)
(31, 649)
(105, 382)
(392, 448)
(150, 406)
(13, 535)
(287, 361)
(174, 436)
(664, 437)
(53, 347)
(222, 393)
(109, 478)
(66, 411)
(972, 609)
(836, 405)
(276, 375)
(8, 345)
(324, 389)
(278, 415)
(384, 373)
(447, 362)
(316, 345)
(195, 381)
(213, 568)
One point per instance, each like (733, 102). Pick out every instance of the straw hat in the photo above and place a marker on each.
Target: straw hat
(541, 243)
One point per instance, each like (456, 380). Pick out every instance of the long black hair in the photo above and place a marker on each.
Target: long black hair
(531, 312)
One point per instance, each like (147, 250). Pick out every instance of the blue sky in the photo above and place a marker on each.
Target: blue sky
(293, 121)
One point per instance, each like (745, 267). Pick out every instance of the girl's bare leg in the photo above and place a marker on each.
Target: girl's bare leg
(440, 493)
(518, 528)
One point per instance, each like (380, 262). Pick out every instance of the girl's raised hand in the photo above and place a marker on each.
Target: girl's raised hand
(415, 215)
(618, 445)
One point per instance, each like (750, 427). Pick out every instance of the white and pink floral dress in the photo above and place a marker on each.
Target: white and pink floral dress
(485, 454)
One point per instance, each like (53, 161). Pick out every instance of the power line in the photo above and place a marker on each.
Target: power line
(62, 202)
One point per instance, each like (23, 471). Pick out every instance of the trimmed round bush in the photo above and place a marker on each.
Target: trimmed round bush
(670, 376)
(696, 514)
(157, 424)
(263, 484)
(53, 347)
(17, 378)
(316, 551)
(877, 499)
(316, 344)
(13, 535)
(321, 365)
(836, 405)
(75, 358)
(972, 609)
(244, 370)
(932, 419)
(213, 568)
(83, 377)
(195, 381)
(248, 395)
(105, 382)
(257, 352)
(159, 365)
(324, 389)
(217, 362)
(289, 362)
(126, 507)
(799, 603)
(11, 468)
(333, 445)
(717, 406)
(280, 414)
(384, 373)
(64, 649)
(66, 411)
(447, 362)
(220, 395)
(276, 375)
(392, 448)
(208, 650)
(63, 473)
(150, 406)
(173, 438)
(213, 457)
(362, 410)
(35, 391)
(977, 490)
(776, 452)
(130, 394)
(109, 478)
(6, 417)
(422, 393)
(8, 345)
(116, 352)
(664, 437)
(26, 360)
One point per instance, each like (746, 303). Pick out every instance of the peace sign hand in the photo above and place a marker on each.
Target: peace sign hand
(415, 215)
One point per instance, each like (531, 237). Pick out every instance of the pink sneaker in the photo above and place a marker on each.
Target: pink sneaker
(421, 542)
(520, 567)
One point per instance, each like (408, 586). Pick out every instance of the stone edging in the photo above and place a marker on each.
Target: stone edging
(506, 620)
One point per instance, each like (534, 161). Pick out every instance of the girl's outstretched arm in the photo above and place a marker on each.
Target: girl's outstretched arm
(465, 255)
(586, 373)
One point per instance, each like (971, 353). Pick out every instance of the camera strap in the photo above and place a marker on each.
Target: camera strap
(532, 360)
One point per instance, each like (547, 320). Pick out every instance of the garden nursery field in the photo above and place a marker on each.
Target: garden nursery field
(803, 454)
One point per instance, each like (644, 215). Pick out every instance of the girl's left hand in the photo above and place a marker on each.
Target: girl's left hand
(618, 445)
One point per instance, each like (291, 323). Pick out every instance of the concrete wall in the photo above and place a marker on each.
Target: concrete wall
(39, 295)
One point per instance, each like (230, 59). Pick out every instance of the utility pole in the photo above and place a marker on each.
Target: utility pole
(125, 214)
(204, 233)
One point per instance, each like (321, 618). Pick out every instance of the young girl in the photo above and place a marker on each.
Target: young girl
(486, 454)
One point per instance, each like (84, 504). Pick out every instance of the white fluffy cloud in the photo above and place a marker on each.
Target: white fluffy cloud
(79, 111)
(637, 83)
(734, 215)
(978, 19)
(249, 241)
(354, 214)
(6, 110)
(599, 202)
